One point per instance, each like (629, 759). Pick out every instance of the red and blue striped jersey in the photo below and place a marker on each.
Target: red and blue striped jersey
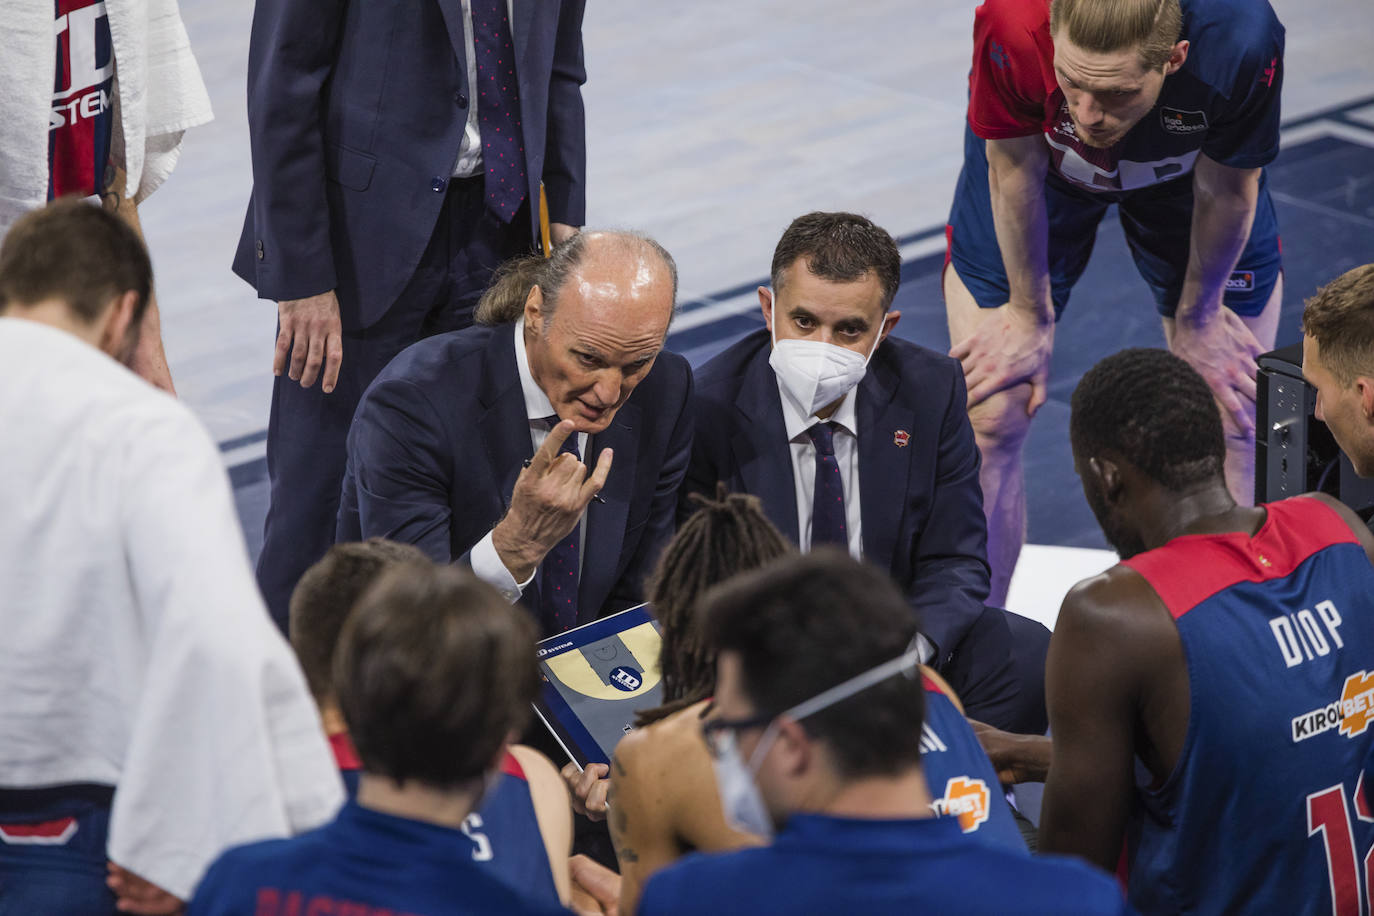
(82, 118)
(1265, 811)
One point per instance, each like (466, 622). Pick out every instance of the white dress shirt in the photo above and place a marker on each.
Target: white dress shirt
(797, 421)
(486, 563)
(470, 152)
(137, 651)
(846, 444)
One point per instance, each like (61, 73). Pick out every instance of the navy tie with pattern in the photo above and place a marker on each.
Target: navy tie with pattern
(498, 109)
(558, 574)
(827, 503)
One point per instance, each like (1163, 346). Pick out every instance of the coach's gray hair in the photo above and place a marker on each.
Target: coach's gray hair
(504, 300)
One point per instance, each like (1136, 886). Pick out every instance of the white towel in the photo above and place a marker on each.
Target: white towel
(160, 90)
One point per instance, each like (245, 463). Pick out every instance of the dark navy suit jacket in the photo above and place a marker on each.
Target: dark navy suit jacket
(356, 111)
(921, 505)
(441, 435)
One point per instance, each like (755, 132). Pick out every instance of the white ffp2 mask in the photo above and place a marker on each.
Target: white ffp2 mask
(816, 373)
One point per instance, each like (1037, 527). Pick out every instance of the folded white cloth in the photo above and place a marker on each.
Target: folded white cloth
(160, 95)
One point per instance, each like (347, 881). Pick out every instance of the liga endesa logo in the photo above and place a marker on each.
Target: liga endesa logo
(1350, 715)
(966, 799)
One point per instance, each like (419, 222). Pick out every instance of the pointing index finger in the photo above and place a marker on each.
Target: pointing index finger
(552, 446)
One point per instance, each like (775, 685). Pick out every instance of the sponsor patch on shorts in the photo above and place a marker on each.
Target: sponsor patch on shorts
(1241, 281)
(1182, 122)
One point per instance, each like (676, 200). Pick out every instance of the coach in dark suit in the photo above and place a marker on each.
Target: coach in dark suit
(832, 407)
(462, 445)
(398, 151)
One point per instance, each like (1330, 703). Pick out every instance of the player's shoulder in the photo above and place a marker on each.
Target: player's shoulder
(657, 749)
(679, 888)
(252, 863)
(1013, 19)
(1228, 39)
(1111, 603)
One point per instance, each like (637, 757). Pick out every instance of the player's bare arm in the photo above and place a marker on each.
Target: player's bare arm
(1111, 674)
(149, 359)
(663, 801)
(1013, 344)
(1213, 339)
(551, 812)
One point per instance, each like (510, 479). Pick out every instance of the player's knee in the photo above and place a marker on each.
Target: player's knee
(1001, 422)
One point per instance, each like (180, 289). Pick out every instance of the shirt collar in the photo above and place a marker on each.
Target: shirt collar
(537, 403)
(797, 421)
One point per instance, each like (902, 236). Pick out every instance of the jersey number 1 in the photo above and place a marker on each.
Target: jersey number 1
(1329, 815)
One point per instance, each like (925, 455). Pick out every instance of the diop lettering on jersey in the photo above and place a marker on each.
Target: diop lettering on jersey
(1350, 715)
(966, 799)
(1301, 637)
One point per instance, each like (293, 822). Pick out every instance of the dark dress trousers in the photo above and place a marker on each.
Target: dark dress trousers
(920, 502)
(442, 434)
(356, 112)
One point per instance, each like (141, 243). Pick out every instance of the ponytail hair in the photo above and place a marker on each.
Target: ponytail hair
(504, 300)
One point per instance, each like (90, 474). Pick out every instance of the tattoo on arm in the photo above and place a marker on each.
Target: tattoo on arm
(109, 189)
(620, 821)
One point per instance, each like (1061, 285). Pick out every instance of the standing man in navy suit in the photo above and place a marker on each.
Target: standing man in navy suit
(545, 447)
(398, 153)
(853, 437)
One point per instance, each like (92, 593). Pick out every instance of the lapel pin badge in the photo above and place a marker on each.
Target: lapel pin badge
(900, 438)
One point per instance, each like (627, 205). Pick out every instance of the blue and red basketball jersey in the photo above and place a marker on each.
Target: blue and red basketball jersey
(1266, 811)
(504, 830)
(82, 118)
(962, 781)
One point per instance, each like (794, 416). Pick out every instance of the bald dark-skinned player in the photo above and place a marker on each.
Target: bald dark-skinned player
(1226, 653)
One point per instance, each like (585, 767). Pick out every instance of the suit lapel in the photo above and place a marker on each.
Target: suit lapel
(454, 20)
(761, 449)
(505, 428)
(606, 520)
(884, 465)
(521, 22)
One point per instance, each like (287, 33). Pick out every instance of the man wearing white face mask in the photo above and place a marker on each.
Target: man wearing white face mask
(851, 436)
(816, 733)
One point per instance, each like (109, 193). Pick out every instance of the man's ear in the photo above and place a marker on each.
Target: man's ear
(1365, 385)
(534, 308)
(1109, 477)
(118, 333)
(889, 322)
(1177, 56)
(795, 750)
(766, 304)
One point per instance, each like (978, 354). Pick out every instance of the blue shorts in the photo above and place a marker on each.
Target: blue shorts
(1157, 222)
(52, 851)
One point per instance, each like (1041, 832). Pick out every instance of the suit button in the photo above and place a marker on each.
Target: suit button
(261, 255)
(460, 100)
(438, 184)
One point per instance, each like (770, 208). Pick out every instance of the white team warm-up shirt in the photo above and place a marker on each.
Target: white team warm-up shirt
(135, 649)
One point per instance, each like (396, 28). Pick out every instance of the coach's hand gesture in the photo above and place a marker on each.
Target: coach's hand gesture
(549, 497)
